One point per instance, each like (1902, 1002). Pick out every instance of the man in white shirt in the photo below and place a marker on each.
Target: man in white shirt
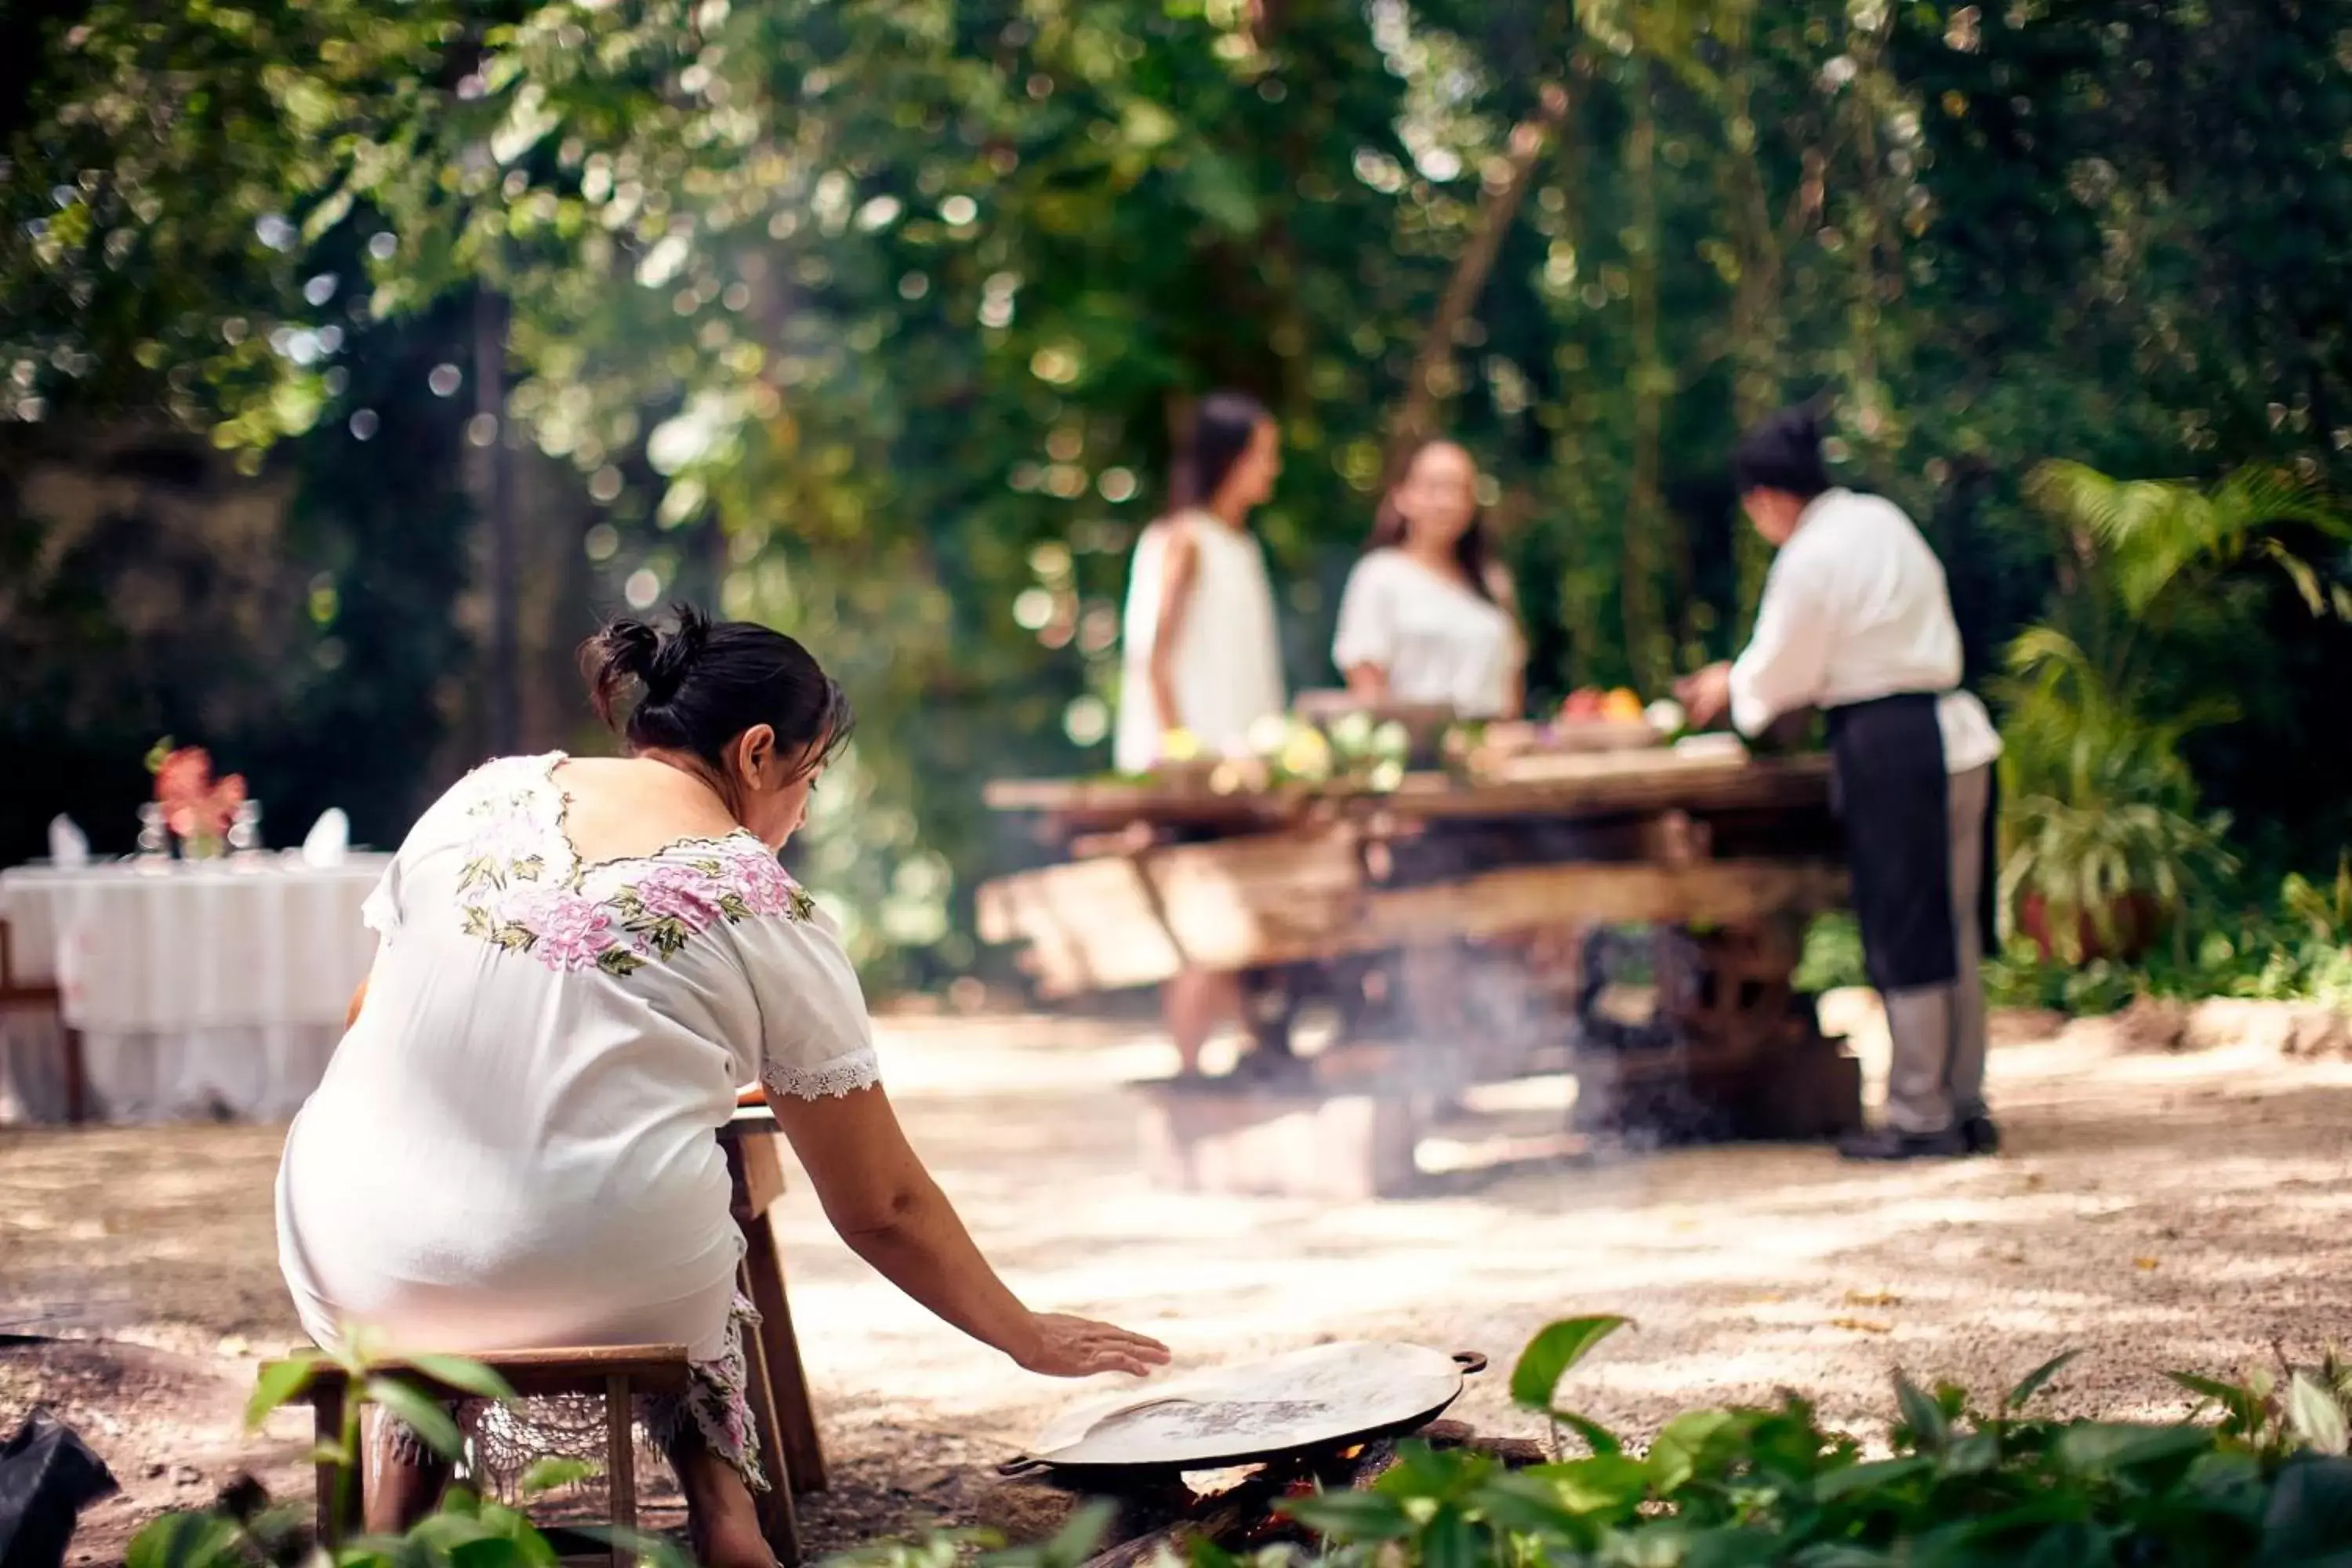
(1856, 622)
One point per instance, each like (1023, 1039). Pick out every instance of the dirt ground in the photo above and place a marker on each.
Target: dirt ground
(2160, 1211)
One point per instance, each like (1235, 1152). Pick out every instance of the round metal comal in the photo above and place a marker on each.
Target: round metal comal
(1331, 1395)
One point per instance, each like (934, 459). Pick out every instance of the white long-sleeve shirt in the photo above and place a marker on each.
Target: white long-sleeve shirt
(1855, 607)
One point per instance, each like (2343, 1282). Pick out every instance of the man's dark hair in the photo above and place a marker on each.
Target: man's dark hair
(1782, 453)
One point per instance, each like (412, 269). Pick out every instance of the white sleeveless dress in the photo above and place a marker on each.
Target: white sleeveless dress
(1228, 670)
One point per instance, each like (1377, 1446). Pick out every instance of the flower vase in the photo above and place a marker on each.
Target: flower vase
(201, 846)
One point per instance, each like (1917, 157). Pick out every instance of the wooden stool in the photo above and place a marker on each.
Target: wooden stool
(619, 1372)
(791, 1451)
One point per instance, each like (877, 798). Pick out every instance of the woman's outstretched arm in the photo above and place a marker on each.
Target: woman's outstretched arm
(878, 1195)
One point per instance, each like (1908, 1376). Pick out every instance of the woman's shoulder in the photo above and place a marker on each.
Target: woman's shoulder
(501, 775)
(508, 781)
(1500, 588)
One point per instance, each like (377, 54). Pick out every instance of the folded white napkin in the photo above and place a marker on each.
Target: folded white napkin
(69, 845)
(328, 838)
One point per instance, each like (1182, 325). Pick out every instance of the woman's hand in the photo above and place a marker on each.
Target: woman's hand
(1705, 695)
(1079, 1347)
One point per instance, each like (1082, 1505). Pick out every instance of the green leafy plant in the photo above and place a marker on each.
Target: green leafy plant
(2288, 950)
(2103, 837)
(2326, 909)
(2265, 1484)
(465, 1529)
(2102, 826)
(1832, 954)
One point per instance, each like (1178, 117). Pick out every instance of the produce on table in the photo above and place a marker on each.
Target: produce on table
(1590, 704)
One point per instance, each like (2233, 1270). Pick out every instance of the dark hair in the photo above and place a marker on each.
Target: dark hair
(1473, 552)
(705, 682)
(1784, 453)
(1222, 428)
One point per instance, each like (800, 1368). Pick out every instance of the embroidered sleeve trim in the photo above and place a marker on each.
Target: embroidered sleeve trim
(828, 1080)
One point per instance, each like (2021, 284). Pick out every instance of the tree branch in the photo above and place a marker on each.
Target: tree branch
(1416, 415)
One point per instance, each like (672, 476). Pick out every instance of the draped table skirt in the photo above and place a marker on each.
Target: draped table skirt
(198, 992)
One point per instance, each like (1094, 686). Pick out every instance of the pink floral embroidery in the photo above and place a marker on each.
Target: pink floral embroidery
(679, 893)
(512, 899)
(564, 930)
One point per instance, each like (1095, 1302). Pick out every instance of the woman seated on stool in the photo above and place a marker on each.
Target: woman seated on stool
(515, 1146)
(1428, 614)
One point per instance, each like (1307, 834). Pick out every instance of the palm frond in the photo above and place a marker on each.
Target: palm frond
(2152, 534)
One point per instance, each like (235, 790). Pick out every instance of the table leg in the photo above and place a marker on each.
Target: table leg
(327, 1428)
(621, 1467)
(796, 1415)
(77, 1077)
(778, 1522)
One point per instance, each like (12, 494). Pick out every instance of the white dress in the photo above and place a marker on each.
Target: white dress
(1436, 640)
(1228, 670)
(515, 1146)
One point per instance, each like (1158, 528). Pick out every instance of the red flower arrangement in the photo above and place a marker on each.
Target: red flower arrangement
(197, 808)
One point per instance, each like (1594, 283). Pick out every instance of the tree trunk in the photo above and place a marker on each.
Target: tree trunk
(1648, 542)
(494, 494)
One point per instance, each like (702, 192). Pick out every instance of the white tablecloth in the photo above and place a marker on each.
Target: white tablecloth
(216, 990)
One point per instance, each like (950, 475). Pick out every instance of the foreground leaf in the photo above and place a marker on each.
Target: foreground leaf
(1597, 1437)
(185, 1541)
(280, 1384)
(466, 1376)
(2034, 1381)
(1350, 1516)
(1079, 1539)
(2243, 1404)
(1674, 1457)
(1922, 1416)
(2099, 1445)
(1606, 1483)
(1523, 1505)
(421, 1416)
(1552, 1353)
(1856, 1479)
(1450, 1541)
(2315, 1415)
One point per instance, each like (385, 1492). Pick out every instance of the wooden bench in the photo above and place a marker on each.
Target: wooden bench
(619, 1372)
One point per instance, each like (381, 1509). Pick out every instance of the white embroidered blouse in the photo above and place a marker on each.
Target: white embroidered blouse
(514, 1146)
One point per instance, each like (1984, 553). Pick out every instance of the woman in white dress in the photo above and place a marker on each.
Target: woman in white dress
(579, 961)
(1199, 657)
(1427, 616)
(1199, 651)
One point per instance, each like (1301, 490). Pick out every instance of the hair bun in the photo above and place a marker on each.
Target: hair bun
(676, 655)
(624, 650)
(629, 647)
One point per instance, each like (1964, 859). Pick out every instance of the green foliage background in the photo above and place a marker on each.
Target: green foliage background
(872, 318)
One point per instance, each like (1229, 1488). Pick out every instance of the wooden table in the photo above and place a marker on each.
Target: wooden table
(1442, 896)
(790, 1450)
(1160, 879)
